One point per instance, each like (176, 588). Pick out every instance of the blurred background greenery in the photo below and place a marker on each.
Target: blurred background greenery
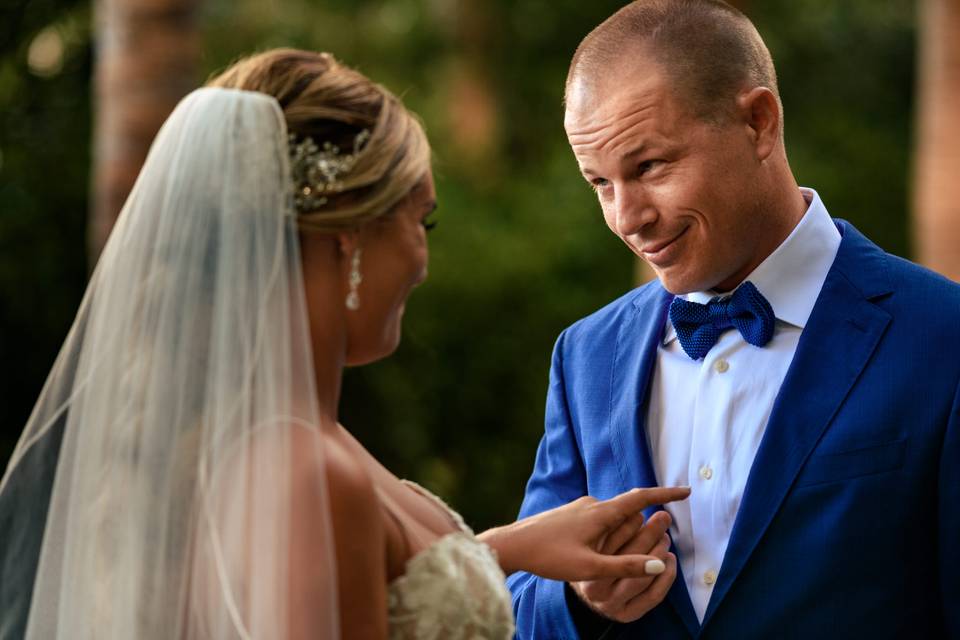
(521, 250)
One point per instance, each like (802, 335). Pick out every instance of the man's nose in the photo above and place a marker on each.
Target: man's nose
(633, 210)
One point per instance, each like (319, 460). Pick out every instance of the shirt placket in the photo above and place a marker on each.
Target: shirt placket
(706, 466)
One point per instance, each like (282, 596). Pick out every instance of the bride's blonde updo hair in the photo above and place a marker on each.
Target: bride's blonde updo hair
(331, 103)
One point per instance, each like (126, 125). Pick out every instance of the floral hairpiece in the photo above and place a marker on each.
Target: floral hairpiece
(317, 171)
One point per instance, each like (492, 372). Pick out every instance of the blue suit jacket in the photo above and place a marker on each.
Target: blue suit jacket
(849, 525)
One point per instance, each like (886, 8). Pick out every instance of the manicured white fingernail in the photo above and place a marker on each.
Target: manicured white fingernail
(654, 567)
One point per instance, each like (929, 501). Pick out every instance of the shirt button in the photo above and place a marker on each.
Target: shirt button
(709, 578)
(721, 366)
(706, 472)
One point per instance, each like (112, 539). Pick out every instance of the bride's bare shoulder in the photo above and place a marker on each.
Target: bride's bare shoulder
(321, 459)
(351, 486)
(358, 532)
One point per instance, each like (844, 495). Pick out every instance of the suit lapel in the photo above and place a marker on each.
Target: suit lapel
(635, 356)
(841, 334)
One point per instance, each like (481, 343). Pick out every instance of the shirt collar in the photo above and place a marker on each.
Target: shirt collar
(791, 277)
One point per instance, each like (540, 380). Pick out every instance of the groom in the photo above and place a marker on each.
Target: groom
(803, 382)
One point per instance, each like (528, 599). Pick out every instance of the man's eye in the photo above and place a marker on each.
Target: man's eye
(599, 183)
(647, 165)
(428, 224)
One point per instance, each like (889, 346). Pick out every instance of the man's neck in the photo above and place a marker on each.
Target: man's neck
(785, 207)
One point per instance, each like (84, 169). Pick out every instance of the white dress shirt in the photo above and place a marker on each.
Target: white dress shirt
(706, 417)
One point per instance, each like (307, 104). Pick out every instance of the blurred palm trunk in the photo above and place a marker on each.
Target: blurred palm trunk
(937, 164)
(148, 54)
(472, 100)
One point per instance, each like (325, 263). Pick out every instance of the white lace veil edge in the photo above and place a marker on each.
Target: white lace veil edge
(169, 482)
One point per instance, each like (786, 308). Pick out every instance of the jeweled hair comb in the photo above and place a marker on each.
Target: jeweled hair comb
(318, 170)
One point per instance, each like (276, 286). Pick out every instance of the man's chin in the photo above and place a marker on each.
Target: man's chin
(670, 280)
(676, 283)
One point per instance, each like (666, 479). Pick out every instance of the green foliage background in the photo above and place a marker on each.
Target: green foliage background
(521, 250)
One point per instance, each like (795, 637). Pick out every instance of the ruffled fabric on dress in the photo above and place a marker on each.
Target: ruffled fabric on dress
(452, 590)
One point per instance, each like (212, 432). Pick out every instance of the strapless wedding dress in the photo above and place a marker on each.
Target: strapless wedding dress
(452, 590)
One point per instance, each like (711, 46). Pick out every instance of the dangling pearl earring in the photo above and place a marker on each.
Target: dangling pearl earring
(353, 298)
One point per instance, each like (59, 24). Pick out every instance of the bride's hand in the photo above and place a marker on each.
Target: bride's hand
(565, 543)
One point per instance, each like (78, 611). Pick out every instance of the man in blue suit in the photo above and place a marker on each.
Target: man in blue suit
(803, 382)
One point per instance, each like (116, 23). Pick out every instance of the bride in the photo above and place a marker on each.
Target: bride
(183, 473)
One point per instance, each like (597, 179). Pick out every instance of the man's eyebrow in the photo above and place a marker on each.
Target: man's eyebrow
(636, 151)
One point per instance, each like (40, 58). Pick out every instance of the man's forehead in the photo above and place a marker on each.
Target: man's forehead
(602, 71)
(593, 106)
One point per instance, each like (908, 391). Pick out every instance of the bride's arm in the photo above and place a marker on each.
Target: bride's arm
(562, 543)
(358, 544)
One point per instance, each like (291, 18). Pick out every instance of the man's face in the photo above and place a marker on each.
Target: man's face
(680, 192)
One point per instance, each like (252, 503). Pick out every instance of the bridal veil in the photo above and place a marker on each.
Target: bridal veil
(151, 494)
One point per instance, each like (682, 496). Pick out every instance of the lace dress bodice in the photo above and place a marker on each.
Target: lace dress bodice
(454, 589)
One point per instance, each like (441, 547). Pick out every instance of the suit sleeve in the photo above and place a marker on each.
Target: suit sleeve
(558, 477)
(949, 521)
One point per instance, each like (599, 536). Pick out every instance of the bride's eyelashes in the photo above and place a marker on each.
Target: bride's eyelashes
(428, 212)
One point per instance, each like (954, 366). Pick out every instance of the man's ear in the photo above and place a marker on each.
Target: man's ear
(760, 111)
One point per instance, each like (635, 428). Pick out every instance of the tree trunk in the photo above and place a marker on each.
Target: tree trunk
(937, 181)
(148, 54)
(472, 103)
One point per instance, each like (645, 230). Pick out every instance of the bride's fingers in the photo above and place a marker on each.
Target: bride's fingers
(618, 508)
(622, 534)
(628, 566)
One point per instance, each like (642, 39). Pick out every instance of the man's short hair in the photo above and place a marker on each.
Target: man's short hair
(707, 49)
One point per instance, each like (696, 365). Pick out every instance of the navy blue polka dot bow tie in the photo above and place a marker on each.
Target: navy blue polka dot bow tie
(699, 326)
